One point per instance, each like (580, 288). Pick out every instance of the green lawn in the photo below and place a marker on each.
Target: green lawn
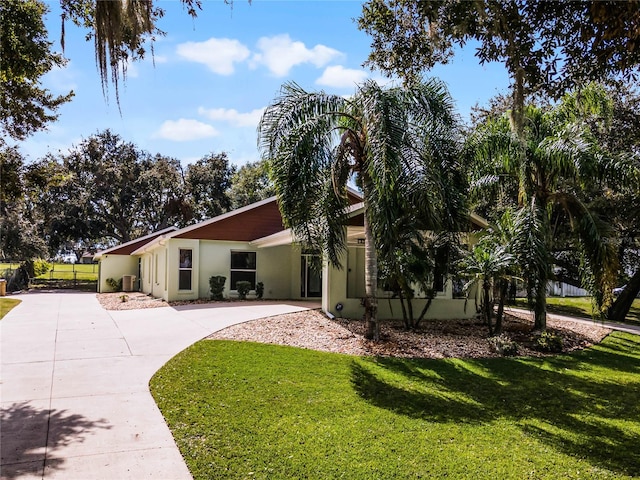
(245, 410)
(63, 271)
(6, 304)
(581, 307)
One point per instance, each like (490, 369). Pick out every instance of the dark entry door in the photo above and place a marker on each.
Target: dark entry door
(310, 277)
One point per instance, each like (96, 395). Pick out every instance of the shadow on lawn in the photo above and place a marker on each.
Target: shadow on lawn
(567, 401)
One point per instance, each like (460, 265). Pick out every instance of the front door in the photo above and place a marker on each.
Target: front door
(310, 276)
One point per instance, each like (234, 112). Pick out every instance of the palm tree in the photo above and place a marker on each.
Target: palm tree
(551, 163)
(487, 266)
(396, 141)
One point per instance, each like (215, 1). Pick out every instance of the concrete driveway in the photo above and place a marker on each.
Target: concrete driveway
(75, 401)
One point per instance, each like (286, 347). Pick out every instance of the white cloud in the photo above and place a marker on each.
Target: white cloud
(339, 77)
(219, 54)
(279, 54)
(132, 69)
(232, 116)
(184, 130)
(62, 79)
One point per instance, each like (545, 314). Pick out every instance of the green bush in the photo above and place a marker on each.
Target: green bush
(503, 345)
(115, 285)
(216, 286)
(549, 342)
(40, 267)
(243, 288)
(259, 290)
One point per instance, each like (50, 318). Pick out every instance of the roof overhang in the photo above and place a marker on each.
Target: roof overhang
(478, 220)
(151, 237)
(284, 237)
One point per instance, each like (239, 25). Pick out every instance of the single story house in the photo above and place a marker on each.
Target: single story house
(252, 244)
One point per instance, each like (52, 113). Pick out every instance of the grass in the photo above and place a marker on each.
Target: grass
(63, 271)
(246, 410)
(6, 304)
(581, 307)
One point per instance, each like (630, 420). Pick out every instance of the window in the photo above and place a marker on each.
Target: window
(243, 268)
(185, 269)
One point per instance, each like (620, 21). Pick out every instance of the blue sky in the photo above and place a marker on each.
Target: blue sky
(214, 75)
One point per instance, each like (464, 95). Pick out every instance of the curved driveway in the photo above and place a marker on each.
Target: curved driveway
(74, 384)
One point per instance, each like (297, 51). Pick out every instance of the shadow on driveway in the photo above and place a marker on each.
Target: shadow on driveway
(29, 435)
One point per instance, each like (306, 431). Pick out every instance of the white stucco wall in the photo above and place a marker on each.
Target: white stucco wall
(273, 267)
(115, 266)
(276, 269)
(146, 272)
(153, 273)
(172, 267)
(342, 286)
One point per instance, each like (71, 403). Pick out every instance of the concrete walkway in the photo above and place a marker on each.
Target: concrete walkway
(75, 401)
(621, 327)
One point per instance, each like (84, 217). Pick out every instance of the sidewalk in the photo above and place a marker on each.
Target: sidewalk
(74, 396)
(621, 327)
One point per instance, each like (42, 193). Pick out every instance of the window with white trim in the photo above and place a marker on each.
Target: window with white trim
(243, 268)
(185, 269)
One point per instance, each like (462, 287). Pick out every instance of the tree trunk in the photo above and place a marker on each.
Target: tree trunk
(410, 313)
(488, 307)
(405, 318)
(620, 308)
(371, 282)
(517, 111)
(504, 287)
(540, 309)
(424, 311)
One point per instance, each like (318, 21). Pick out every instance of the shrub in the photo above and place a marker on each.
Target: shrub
(503, 345)
(216, 286)
(243, 288)
(115, 285)
(19, 279)
(548, 342)
(40, 267)
(259, 289)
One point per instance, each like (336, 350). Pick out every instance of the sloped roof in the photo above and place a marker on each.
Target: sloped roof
(129, 247)
(246, 224)
(242, 225)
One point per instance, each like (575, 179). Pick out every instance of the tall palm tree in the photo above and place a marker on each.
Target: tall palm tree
(396, 141)
(551, 163)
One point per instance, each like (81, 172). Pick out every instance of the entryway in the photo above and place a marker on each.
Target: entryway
(310, 276)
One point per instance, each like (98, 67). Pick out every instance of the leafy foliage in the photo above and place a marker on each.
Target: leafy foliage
(26, 107)
(19, 238)
(401, 145)
(251, 183)
(216, 286)
(243, 287)
(207, 182)
(114, 285)
(40, 267)
(553, 162)
(549, 47)
(548, 342)
(504, 345)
